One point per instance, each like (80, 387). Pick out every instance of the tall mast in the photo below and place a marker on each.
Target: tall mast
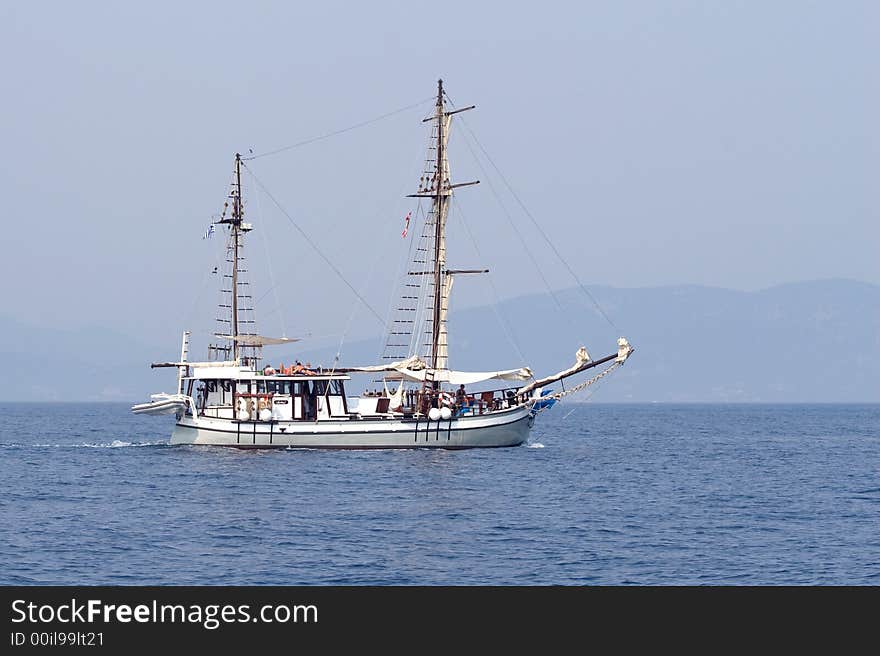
(236, 227)
(438, 188)
(440, 208)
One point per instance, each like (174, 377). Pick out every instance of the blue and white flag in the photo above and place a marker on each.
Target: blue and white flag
(209, 231)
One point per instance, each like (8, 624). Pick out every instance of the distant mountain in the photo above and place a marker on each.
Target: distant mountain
(83, 364)
(805, 342)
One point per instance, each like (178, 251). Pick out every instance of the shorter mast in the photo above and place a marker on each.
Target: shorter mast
(243, 351)
(236, 226)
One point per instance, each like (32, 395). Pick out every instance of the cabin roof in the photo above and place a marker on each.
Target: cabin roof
(251, 376)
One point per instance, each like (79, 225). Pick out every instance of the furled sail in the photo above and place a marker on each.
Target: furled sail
(258, 340)
(410, 363)
(414, 370)
(200, 365)
(443, 337)
(463, 377)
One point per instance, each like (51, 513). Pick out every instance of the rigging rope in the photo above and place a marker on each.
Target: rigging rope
(379, 258)
(495, 300)
(337, 132)
(204, 285)
(581, 386)
(517, 231)
(351, 316)
(316, 249)
(540, 230)
(274, 287)
(418, 327)
(398, 288)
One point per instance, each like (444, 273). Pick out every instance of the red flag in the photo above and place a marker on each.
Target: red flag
(406, 226)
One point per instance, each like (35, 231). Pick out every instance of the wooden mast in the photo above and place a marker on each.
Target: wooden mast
(236, 226)
(439, 241)
(239, 324)
(439, 189)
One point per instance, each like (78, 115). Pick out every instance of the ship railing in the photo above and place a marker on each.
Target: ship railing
(419, 402)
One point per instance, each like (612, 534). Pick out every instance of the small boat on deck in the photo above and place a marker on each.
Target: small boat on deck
(161, 404)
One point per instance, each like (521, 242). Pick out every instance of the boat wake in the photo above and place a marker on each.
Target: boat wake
(534, 445)
(115, 444)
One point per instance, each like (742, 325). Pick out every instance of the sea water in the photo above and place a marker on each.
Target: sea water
(602, 494)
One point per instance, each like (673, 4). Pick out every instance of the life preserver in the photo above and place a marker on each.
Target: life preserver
(446, 399)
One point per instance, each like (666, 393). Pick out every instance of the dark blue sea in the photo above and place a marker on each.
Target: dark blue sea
(603, 494)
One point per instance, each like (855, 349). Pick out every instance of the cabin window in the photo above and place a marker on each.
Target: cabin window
(211, 386)
(331, 387)
(261, 387)
(278, 386)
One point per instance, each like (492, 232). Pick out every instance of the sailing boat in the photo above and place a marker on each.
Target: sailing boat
(229, 400)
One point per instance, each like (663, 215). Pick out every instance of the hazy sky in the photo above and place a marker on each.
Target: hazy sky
(718, 143)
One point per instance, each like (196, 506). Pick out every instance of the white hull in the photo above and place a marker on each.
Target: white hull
(497, 429)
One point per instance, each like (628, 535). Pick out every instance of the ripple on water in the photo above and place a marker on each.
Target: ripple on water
(619, 495)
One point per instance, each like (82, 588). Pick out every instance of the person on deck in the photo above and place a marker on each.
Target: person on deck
(299, 369)
(461, 398)
(426, 401)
